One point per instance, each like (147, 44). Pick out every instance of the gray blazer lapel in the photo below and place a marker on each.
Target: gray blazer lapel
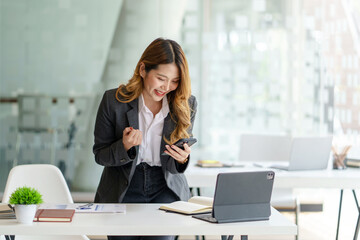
(133, 118)
(132, 114)
(167, 129)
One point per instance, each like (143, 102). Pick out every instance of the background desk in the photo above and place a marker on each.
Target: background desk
(146, 219)
(340, 179)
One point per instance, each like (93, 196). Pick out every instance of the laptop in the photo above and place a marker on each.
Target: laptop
(241, 196)
(307, 153)
(260, 147)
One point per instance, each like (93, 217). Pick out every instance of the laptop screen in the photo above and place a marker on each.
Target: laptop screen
(310, 153)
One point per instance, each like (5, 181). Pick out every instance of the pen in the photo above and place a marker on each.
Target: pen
(85, 206)
(10, 206)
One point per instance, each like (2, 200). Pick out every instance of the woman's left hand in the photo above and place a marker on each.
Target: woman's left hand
(177, 153)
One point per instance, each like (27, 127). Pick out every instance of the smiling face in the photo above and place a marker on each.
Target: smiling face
(159, 82)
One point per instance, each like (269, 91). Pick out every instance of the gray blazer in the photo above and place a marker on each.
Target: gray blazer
(112, 118)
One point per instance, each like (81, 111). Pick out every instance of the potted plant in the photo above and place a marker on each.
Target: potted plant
(25, 200)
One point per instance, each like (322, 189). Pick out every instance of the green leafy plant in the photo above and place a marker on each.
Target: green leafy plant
(25, 196)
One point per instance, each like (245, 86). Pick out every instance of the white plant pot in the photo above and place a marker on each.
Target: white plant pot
(25, 213)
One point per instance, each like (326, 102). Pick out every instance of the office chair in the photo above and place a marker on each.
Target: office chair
(49, 181)
(269, 148)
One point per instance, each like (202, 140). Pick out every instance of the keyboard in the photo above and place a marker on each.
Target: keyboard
(281, 167)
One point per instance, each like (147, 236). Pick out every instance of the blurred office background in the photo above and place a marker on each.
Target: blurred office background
(260, 66)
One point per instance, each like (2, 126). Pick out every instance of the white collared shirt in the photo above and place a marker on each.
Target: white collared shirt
(152, 129)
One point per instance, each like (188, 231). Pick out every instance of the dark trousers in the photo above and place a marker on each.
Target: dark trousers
(148, 185)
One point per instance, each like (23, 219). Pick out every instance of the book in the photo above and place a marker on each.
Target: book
(88, 207)
(210, 164)
(54, 215)
(6, 211)
(6, 208)
(351, 162)
(195, 205)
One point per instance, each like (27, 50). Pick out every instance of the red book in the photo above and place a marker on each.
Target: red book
(54, 215)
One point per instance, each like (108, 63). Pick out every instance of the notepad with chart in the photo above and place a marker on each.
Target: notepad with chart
(88, 207)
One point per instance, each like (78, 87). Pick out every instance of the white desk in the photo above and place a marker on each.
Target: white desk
(146, 219)
(340, 179)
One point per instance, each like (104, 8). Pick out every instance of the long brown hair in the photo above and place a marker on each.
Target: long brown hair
(164, 51)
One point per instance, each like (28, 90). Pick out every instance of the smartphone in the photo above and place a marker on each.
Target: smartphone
(180, 143)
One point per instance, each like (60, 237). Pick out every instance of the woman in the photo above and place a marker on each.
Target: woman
(140, 120)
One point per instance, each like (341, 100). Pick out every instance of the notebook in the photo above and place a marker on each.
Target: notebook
(241, 196)
(308, 153)
(54, 215)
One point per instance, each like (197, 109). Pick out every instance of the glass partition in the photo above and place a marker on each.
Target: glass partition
(287, 67)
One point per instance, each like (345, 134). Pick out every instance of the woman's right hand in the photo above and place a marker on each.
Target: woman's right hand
(131, 137)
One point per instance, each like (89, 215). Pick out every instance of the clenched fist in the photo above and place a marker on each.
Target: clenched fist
(131, 137)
